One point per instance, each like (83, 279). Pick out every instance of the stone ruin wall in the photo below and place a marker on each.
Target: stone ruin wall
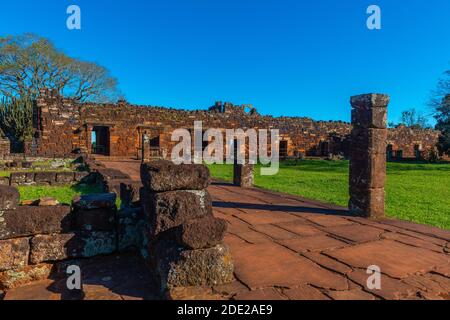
(64, 127)
(4, 145)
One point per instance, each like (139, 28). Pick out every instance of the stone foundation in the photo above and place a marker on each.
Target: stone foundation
(34, 238)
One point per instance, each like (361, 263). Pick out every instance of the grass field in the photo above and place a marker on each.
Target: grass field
(64, 194)
(415, 192)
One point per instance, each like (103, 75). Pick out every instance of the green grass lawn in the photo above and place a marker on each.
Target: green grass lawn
(64, 194)
(415, 192)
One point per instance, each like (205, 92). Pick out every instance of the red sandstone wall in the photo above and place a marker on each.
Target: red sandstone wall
(64, 127)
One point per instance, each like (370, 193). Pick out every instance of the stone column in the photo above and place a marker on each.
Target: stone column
(185, 245)
(242, 173)
(368, 155)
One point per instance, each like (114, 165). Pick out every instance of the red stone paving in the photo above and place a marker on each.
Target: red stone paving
(287, 247)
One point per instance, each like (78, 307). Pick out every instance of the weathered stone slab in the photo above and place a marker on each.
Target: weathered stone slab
(45, 177)
(11, 279)
(30, 220)
(79, 176)
(130, 228)
(129, 192)
(95, 219)
(4, 181)
(368, 141)
(395, 259)
(356, 233)
(112, 174)
(304, 292)
(272, 265)
(260, 295)
(21, 178)
(95, 201)
(46, 202)
(64, 177)
(369, 172)
(55, 247)
(172, 208)
(369, 110)
(9, 198)
(183, 268)
(14, 253)
(199, 233)
(163, 175)
(367, 202)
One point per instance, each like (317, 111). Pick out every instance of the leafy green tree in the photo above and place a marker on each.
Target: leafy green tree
(440, 102)
(414, 119)
(29, 63)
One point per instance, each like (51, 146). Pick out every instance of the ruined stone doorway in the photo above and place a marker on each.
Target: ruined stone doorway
(283, 149)
(100, 140)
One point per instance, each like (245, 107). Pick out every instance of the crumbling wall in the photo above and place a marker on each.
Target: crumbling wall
(33, 239)
(64, 127)
(5, 145)
(411, 143)
(57, 127)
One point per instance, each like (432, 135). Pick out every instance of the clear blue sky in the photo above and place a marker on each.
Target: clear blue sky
(292, 57)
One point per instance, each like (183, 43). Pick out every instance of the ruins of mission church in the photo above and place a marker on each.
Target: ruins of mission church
(63, 127)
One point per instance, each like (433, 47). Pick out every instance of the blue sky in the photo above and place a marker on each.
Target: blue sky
(286, 57)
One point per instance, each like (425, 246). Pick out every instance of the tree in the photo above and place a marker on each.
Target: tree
(440, 102)
(16, 116)
(412, 118)
(29, 63)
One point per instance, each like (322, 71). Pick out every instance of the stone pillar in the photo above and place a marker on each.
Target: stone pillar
(185, 241)
(368, 155)
(243, 175)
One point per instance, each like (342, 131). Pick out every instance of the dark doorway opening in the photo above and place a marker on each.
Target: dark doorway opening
(100, 140)
(417, 152)
(283, 149)
(324, 147)
(389, 152)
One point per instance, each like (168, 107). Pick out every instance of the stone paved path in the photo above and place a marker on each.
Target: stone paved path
(286, 247)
